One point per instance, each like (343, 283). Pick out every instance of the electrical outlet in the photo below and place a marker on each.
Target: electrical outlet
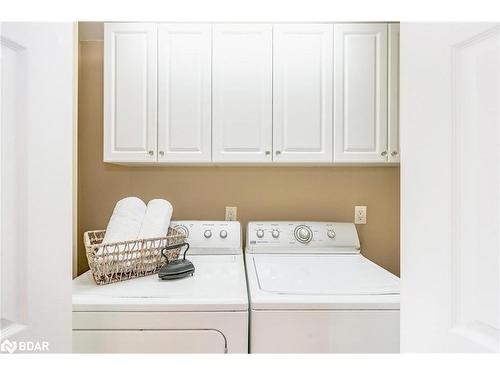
(231, 213)
(359, 214)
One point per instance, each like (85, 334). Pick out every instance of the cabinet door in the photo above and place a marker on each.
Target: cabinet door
(393, 96)
(360, 92)
(129, 92)
(242, 93)
(303, 70)
(184, 92)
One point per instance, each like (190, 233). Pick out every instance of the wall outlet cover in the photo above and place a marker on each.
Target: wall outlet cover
(231, 213)
(359, 214)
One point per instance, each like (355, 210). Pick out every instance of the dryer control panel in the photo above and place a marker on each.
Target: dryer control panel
(302, 237)
(210, 237)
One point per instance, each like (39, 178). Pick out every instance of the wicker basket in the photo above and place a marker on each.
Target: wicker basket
(125, 260)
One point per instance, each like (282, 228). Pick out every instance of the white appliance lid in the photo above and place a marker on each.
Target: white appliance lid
(322, 274)
(218, 284)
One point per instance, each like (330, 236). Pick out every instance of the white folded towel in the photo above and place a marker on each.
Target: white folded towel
(157, 219)
(126, 221)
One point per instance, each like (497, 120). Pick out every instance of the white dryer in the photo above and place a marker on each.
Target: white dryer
(311, 291)
(203, 313)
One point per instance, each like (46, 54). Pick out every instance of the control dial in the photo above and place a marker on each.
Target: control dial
(182, 229)
(223, 233)
(207, 233)
(275, 233)
(303, 234)
(260, 233)
(331, 234)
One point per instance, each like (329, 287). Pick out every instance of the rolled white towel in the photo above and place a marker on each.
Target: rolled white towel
(157, 219)
(126, 221)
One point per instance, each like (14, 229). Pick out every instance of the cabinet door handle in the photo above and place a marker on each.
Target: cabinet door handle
(383, 153)
(151, 152)
(394, 153)
(161, 153)
(278, 152)
(268, 152)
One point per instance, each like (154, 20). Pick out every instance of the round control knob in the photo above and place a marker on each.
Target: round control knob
(260, 233)
(330, 233)
(183, 230)
(275, 233)
(207, 233)
(303, 234)
(223, 234)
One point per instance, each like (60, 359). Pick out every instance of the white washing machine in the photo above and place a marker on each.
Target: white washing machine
(203, 313)
(311, 291)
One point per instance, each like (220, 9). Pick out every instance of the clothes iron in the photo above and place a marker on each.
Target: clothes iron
(176, 269)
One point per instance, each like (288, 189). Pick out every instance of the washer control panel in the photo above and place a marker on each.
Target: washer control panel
(218, 235)
(302, 237)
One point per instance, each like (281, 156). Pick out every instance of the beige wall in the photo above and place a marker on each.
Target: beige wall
(260, 193)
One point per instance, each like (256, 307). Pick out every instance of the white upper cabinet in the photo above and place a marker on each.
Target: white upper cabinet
(242, 93)
(130, 92)
(360, 93)
(303, 73)
(393, 87)
(251, 93)
(184, 92)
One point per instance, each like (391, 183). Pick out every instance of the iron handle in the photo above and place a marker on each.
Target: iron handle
(268, 152)
(161, 153)
(383, 153)
(278, 152)
(151, 152)
(394, 153)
